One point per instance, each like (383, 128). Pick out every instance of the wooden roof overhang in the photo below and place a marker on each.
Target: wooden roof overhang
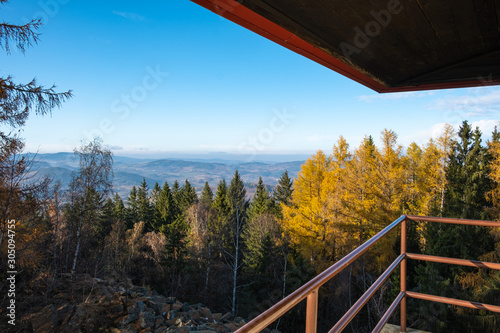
(386, 45)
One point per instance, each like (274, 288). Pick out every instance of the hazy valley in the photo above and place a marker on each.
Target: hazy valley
(129, 172)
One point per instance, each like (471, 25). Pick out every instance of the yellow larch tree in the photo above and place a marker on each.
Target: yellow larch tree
(359, 199)
(412, 187)
(445, 146)
(305, 219)
(494, 195)
(390, 178)
(431, 179)
(422, 191)
(334, 191)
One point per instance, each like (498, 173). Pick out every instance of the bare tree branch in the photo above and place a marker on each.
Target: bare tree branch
(22, 36)
(17, 100)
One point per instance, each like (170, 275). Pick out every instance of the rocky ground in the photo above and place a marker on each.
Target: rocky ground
(96, 305)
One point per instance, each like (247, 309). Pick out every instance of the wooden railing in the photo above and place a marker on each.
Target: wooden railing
(310, 289)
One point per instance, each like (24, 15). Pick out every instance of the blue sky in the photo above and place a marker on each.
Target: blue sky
(154, 77)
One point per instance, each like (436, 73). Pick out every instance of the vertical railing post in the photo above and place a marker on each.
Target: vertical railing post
(312, 312)
(403, 274)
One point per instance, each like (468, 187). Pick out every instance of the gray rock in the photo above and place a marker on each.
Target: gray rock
(127, 320)
(146, 319)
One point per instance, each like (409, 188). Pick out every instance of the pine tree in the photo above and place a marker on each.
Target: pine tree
(176, 192)
(207, 196)
(264, 253)
(155, 193)
(176, 233)
(261, 203)
(187, 196)
(144, 208)
(466, 184)
(118, 208)
(170, 221)
(221, 203)
(105, 221)
(235, 225)
(166, 210)
(484, 285)
(132, 210)
(284, 189)
(495, 136)
(467, 176)
(264, 257)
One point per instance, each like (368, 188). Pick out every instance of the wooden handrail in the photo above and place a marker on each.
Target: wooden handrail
(454, 261)
(453, 301)
(453, 221)
(388, 313)
(346, 319)
(269, 316)
(311, 288)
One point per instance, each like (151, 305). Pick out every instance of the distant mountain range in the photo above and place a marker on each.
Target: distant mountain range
(130, 171)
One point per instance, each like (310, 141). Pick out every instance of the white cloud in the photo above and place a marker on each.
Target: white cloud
(422, 137)
(486, 126)
(114, 147)
(478, 102)
(130, 16)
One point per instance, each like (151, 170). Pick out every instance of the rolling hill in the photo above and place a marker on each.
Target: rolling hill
(130, 171)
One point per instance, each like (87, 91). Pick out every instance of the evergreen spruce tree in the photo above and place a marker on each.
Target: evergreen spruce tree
(132, 211)
(176, 233)
(176, 192)
(467, 184)
(165, 210)
(169, 220)
(495, 136)
(187, 196)
(467, 176)
(106, 220)
(235, 225)
(484, 284)
(221, 209)
(261, 203)
(221, 203)
(155, 193)
(284, 189)
(144, 209)
(118, 208)
(207, 196)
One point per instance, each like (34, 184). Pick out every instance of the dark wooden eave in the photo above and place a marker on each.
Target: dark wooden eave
(386, 45)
